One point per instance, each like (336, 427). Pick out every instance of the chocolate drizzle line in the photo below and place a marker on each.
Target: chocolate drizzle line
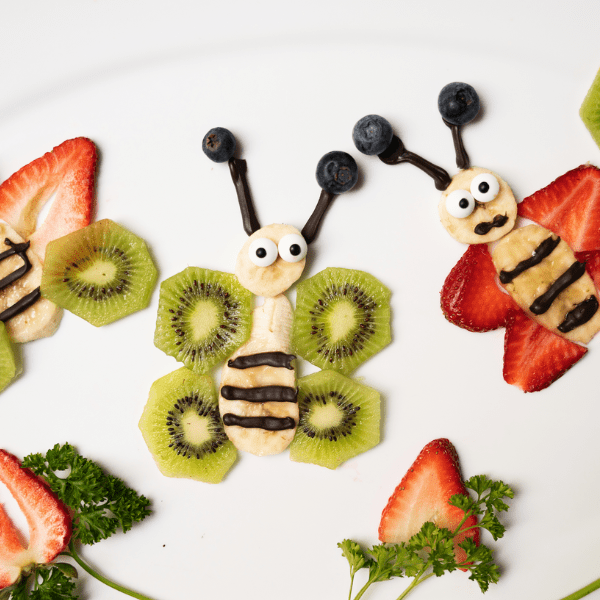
(268, 423)
(544, 249)
(271, 359)
(486, 227)
(28, 300)
(23, 304)
(542, 303)
(579, 315)
(268, 393)
(309, 231)
(396, 153)
(462, 158)
(21, 250)
(237, 167)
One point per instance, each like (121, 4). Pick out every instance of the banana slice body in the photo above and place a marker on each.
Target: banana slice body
(254, 421)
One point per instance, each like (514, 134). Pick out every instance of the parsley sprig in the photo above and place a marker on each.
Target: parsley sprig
(100, 505)
(431, 551)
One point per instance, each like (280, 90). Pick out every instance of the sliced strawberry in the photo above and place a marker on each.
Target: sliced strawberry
(11, 549)
(570, 207)
(423, 495)
(592, 264)
(48, 518)
(68, 171)
(534, 357)
(470, 296)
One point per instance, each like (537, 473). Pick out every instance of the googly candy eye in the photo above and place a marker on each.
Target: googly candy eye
(292, 247)
(262, 252)
(484, 187)
(460, 204)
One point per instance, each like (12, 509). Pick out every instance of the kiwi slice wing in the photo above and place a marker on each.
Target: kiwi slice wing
(339, 419)
(183, 430)
(101, 273)
(590, 109)
(203, 317)
(8, 365)
(342, 317)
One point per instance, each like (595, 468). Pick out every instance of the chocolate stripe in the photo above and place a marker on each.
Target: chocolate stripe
(579, 315)
(19, 249)
(542, 303)
(23, 304)
(271, 359)
(268, 423)
(544, 249)
(268, 393)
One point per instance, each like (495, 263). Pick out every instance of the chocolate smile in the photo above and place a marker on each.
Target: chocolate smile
(486, 227)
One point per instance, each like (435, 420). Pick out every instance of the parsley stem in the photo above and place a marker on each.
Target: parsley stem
(75, 556)
(588, 589)
(420, 578)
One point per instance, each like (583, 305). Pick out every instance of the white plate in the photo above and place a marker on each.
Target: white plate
(271, 528)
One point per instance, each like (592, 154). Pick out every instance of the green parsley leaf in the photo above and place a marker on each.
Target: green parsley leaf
(102, 504)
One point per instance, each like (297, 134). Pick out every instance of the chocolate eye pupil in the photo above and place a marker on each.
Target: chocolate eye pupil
(295, 249)
(484, 186)
(261, 253)
(463, 203)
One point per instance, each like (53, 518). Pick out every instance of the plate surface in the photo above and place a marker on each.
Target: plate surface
(291, 89)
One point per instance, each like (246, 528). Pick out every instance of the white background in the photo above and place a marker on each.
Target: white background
(145, 80)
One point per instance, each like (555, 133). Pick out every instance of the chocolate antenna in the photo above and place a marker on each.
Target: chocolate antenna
(219, 145)
(458, 104)
(373, 135)
(337, 172)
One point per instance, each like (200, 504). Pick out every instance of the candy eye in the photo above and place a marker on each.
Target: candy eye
(460, 204)
(484, 187)
(262, 252)
(292, 247)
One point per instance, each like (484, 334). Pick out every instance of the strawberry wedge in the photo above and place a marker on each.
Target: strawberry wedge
(470, 297)
(67, 173)
(48, 519)
(423, 495)
(570, 207)
(535, 357)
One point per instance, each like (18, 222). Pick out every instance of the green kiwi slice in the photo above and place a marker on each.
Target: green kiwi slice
(183, 430)
(339, 419)
(590, 109)
(342, 318)
(203, 316)
(8, 365)
(101, 273)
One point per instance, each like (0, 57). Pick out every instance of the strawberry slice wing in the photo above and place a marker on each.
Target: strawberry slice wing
(48, 518)
(534, 357)
(423, 496)
(11, 550)
(470, 296)
(570, 207)
(67, 173)
(592, 264)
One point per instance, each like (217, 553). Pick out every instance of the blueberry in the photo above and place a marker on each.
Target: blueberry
(372, 135)
(219, 144)
(458, 103)
(337, 172)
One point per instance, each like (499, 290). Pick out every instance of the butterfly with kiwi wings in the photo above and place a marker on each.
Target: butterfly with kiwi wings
(342, 317)
(527, 278)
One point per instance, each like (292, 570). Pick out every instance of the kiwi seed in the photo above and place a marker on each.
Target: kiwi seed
(183, 429)
(203, 316)
(342, 318)
(101, 273)
(339, 418)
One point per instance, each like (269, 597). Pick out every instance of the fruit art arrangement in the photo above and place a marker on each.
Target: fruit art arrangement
(342, 317)
(539, 281)
(100, 272)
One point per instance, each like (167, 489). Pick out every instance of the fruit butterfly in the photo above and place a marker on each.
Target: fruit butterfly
(204, 317)
(552, 303)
